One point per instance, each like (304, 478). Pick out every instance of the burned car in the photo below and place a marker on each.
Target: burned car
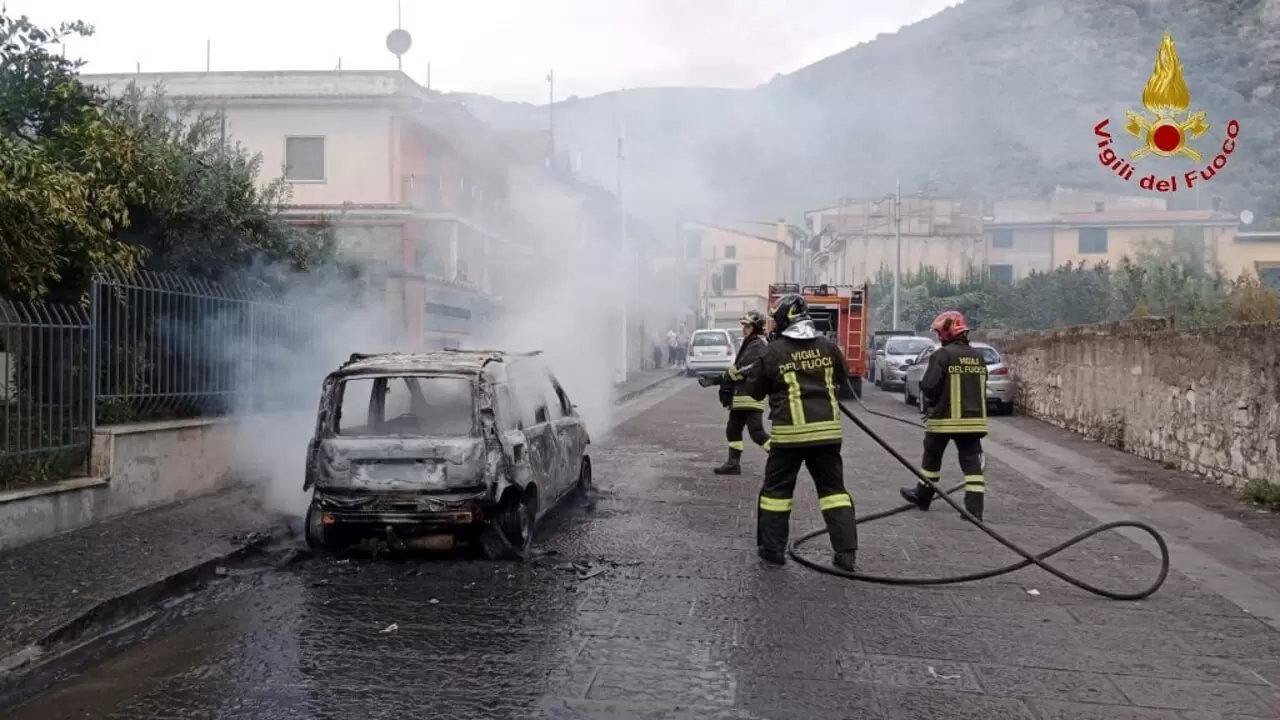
(429, 449)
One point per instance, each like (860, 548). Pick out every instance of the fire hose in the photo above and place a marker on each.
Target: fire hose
(1028, 559)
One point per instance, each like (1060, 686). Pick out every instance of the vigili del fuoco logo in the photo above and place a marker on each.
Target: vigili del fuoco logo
(1165, 129)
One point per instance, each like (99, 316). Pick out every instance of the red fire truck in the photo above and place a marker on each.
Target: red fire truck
(840, 312)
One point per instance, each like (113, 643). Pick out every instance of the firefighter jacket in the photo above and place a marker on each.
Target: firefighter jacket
(954, 388)
(752, 350)
(802, 377)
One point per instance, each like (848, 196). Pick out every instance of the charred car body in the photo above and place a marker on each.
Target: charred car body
(433, 447)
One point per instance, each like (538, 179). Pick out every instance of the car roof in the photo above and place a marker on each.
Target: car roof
(469, 362)
(707, 330)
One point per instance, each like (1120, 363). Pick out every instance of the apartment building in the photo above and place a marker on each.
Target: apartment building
(857, 238)
(409, 179)
(736, 262)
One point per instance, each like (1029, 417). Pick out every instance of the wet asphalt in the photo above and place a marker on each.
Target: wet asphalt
(652, 605)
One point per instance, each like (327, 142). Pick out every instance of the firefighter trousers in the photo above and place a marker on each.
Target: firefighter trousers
(750, 420)
(773, 520)
(969, 451)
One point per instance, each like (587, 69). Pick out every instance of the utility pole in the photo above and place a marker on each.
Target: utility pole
(625, 250)
(897, 236)
(551, 118)
(208, 55)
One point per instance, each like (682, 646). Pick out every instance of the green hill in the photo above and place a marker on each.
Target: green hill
(998, 97)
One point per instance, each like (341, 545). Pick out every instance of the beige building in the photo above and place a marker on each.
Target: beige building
(858, 238)
(737, 262)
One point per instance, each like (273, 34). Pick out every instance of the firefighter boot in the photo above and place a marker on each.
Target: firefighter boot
(732, 465)
(973, 502)
(772, 557)
(847, 559)
(921, 495)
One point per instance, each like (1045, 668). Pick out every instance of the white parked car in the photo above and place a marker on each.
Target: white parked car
(890, 368)
(711, 351)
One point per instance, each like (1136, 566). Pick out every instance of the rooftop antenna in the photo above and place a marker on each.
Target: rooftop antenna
(399, 41)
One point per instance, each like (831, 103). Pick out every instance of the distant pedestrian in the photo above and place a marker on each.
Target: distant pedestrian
(682, 347)
(657, 355)
(673, 342)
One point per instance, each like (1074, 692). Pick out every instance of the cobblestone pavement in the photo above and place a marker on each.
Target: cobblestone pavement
(653, 606)
(49, 583)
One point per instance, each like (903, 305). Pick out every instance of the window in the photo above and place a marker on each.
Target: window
(989, 355)
(304, 159)
(693, 243)
(1002, 238)
(418, 406)
(710, 338)
(912, 346)
(730, 252)
(729, 277)
(1093, 241)
(1270, 276)
(1001, 273)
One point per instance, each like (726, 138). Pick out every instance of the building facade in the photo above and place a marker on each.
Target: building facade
(736, 262)
(857, 239)
(410, 181)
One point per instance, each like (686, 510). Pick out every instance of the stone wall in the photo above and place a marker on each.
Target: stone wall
(1205, 401)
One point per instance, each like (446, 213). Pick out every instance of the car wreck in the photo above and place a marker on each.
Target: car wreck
(439, 448)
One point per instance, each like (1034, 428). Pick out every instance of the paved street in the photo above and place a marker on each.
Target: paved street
(654, 606)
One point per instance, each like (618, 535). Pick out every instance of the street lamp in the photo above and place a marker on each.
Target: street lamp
(896, 197)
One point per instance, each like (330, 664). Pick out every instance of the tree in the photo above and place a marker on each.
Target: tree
(68, 168)
(92, 183)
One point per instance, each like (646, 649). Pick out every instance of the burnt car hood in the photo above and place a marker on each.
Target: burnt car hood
(402, 463)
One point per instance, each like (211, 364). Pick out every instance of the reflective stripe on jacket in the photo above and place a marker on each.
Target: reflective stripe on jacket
(802, 380)
(752, 350)
(954, 388)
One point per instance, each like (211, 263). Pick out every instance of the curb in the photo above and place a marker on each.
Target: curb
(113, 613)
(646, 388)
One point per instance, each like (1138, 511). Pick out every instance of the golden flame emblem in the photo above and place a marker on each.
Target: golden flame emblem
(1167, 98)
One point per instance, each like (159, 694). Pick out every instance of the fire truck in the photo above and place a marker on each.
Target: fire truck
(839, 312)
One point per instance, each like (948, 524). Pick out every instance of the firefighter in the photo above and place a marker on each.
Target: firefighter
(954, 390)
(801, 373)
(744, 410)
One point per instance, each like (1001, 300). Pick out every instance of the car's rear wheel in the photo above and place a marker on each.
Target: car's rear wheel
(508, 535)
(323, 537)
(585, 489)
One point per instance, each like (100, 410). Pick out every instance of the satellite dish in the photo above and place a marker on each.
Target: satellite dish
(1246, 216)
(399, 41)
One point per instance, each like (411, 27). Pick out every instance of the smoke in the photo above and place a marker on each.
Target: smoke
(567, 302)
(307, 336)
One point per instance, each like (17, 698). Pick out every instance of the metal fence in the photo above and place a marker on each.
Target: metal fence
(150, 346)
(46, 391)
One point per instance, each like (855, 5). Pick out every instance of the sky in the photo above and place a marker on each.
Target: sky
(502, 48)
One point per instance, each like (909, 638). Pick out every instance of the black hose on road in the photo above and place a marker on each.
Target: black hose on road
(1027, 558)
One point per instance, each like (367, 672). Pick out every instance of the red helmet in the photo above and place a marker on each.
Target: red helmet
(950, 325)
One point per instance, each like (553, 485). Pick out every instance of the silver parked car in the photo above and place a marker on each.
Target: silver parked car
(711, 350)
(890, 368)
(418, 447)
(1000, 382)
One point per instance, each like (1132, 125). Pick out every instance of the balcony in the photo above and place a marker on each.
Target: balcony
(456, 195)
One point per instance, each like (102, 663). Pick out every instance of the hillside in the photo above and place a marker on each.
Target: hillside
(991, 96)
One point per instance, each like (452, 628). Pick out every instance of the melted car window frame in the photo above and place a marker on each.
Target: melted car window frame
(382, 429)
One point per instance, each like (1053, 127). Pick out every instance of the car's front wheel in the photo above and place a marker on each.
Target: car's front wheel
(906, 393)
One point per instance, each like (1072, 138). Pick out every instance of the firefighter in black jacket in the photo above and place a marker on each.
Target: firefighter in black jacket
(954, 390)
(801, 373)
(744, 410)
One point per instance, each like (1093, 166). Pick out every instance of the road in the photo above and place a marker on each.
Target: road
(654, 606)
